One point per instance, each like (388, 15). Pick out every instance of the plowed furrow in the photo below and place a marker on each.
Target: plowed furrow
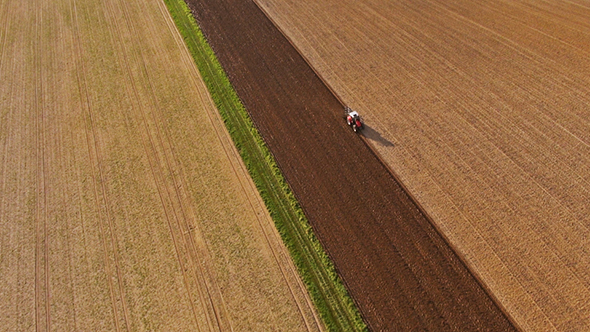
(484, 105)
(400, 271)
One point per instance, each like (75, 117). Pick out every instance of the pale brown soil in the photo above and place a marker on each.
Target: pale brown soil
(481, 108)
(123, 202)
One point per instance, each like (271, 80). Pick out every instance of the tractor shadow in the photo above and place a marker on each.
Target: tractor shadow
(374, 135)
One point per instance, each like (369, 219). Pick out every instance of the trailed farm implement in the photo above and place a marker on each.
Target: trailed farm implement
(353, 119)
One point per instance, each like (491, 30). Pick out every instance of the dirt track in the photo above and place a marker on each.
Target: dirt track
(397, 267)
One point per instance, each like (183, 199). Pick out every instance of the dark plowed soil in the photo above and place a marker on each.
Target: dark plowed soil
(399, 270)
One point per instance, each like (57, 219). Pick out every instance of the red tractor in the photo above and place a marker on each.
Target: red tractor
(353, 119)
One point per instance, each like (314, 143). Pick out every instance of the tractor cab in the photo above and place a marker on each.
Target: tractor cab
(353, 119)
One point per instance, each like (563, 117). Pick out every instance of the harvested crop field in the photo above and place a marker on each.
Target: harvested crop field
(123, 203)
(482, 109)
(400, 271)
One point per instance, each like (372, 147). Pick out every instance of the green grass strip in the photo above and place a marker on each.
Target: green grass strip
(327, 291)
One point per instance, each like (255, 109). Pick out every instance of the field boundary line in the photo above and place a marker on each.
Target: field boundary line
(404, 187)
(394, 175)
(247, 185)
(459, 254)
(328, 293)
(275, 24)
(188, 62)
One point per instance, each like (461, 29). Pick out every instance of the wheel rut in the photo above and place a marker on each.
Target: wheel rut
(93, 153)
(157, 145)
(42, 296)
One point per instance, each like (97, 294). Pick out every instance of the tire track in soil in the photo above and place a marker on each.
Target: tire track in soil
(181, 181)
(42, 238)
(400, 271)
(93, 152)
(177, 246)
(5, 117)
(183, 217)
(7, 137)
(4, 23)
(65, 313)
(20, 141)
(188, 227)
(237, 168)
(171, 198)
(204, 276)
(250, 187)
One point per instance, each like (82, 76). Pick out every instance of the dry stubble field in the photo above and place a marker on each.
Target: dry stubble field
(481, 108)
(123, 202)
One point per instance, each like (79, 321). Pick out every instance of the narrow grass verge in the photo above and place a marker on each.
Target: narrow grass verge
(327, 291)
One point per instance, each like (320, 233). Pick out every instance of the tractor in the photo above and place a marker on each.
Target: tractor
(353, 119)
